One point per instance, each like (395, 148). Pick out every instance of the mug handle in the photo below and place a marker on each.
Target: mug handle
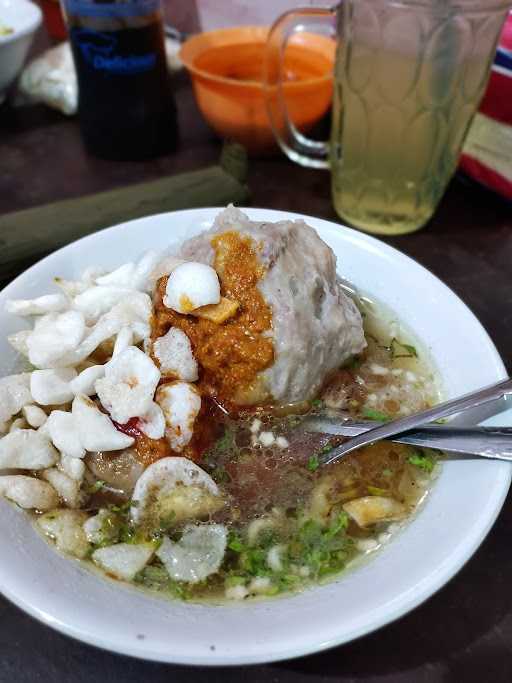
(294, 144)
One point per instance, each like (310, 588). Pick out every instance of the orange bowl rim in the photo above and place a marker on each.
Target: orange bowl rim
(225, 80)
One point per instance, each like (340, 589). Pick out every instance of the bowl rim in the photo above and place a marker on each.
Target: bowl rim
(33, 22)
(400, 607)
(262, 31)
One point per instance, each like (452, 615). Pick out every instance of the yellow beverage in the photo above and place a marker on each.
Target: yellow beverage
(402, 107)
(408, 79)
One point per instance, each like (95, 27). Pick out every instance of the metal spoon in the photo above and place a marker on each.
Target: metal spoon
(405, 424)
(486, 442)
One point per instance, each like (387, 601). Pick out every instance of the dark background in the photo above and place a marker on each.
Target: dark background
(462, 633)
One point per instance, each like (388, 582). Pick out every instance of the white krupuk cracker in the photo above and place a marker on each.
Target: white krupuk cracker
(197, 555)
(124, 339)
(26, 449)
(129, 385)
(152, 423)
(143, 280)
(123, 560)
(67, 488)
(96, 301)
(174, 354)
(85, 381)
(52, 387)
(123, 276)
(136, 276)
(28, 493)
(65, 527)
(62, 428)
(55, 335)
(73, 467)
(14, 394)
(18, 424)
(34, 415)
(91, 274)
(70, 288)
(97, 529)
(180, 403)
(18, 341)
(135, 311)
(48, 303)
(95, 429)
(93, 527)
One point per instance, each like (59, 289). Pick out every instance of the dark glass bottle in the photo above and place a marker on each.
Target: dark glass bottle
(125, 102)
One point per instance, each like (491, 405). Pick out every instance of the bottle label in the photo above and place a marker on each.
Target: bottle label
(91, 8)
(100, 51)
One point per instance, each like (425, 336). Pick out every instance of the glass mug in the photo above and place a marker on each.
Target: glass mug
(408, 78)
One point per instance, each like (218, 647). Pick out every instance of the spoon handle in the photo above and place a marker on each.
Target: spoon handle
(486, 442)
(493, 443)
(405, 424)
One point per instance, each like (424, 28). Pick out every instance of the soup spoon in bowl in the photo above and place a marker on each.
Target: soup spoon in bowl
(404, 425)
(486, 442)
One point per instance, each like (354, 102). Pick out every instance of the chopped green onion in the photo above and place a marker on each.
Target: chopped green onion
(234, 581)
(375, 415)
(339, 524)
(398, 349)
(235, 544)
(226, 441)
(220, 475)
(153, 577)
(317, 403)
(422, 460)
(313, 463)
(123, 508)
(97, 486)
(376, 491)
(254, 562)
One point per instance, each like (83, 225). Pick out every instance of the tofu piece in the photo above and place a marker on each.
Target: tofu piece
(217, 313)
(369, 510)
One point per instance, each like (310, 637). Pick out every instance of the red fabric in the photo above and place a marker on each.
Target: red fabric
(496, 105)
(486, 176)
(506, 36)
(497, 102)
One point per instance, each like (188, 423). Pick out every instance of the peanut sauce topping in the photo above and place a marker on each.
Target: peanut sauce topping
(231, 354)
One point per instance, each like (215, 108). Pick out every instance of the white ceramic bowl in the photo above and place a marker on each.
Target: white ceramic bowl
(24, 18)
(426, 554)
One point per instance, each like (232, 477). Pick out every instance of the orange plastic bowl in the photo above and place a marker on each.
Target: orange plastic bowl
(226, 70)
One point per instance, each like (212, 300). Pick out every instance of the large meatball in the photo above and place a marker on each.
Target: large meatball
(294, 327)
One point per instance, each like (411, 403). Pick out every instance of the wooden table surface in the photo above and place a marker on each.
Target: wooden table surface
(464, 632)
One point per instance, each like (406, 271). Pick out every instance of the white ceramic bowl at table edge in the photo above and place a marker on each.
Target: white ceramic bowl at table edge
(24, 18)
(458, 514)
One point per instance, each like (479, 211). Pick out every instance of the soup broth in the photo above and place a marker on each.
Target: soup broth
(291, 522)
